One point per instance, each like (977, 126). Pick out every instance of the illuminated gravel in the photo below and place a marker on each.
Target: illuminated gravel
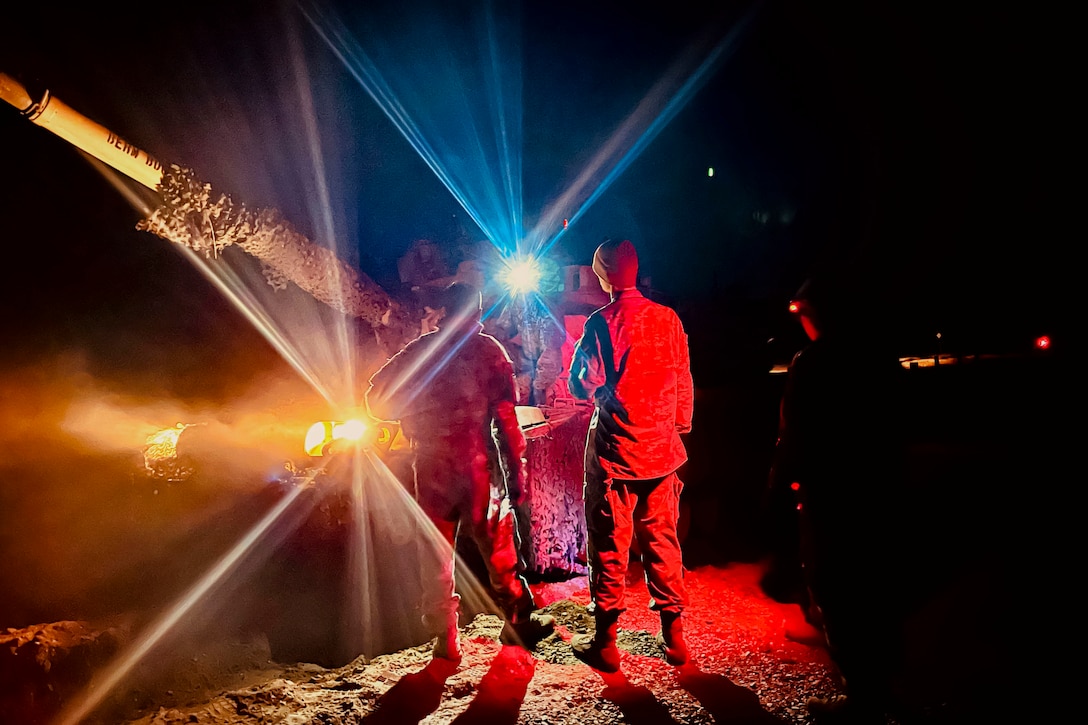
(743, 670)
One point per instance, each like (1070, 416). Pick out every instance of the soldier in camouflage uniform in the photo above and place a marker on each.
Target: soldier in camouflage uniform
(633, 362)
(454, 394)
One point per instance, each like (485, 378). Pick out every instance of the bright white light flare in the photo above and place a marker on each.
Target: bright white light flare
(325, 432)
(522, 276)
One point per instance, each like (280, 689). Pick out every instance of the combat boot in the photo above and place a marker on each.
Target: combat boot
(599, 650)
(527, 631)
(671, 637)
(447, 643)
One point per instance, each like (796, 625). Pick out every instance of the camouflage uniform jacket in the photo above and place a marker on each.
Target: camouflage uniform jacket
(454, 391)
(633, 361)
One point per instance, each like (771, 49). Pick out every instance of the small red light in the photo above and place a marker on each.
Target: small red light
(795, 486)
(1042, 342)
(794, 307)
(564, 223)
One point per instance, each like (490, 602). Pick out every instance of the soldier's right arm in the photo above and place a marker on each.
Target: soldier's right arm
(587, 372)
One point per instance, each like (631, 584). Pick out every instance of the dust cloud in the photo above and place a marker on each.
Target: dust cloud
(86, 528)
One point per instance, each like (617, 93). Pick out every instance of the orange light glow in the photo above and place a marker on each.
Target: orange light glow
(161, 451)
(324, 432)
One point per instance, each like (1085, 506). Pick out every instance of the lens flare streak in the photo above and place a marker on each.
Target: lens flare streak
(238, 293)
(475, 148)
(116, 672)
(391, 535)
(324, 204)
(475, 187)
(660, 105)
(427, 367)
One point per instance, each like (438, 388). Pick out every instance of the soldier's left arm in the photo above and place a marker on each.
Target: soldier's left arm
(511, 440)
(685, 386)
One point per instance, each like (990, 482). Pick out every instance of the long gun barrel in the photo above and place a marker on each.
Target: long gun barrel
(52, 114)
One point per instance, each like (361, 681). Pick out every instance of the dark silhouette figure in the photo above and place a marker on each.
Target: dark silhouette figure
(840, 457)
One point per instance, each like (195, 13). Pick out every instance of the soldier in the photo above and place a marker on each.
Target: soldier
(840, 455)
(454, 394)
(632, 360)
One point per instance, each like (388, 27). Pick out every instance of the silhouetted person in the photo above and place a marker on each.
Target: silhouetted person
(632, 360)
(454, 394)
(840, 454)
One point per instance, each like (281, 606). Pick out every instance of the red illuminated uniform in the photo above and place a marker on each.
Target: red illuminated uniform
(633, 361)
(453, 392)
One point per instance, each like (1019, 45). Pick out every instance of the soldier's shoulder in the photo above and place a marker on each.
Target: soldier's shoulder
(417, 345)
(660, 309)
(491, 344)
(486, 339)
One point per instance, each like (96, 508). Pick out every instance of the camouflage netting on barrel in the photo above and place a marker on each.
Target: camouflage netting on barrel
(191, 217)
(553, 527)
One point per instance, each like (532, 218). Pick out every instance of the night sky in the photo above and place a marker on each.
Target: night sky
(927, 141)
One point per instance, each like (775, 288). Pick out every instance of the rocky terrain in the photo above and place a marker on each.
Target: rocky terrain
(744, 670)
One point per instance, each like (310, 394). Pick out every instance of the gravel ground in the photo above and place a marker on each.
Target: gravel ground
(743, 670)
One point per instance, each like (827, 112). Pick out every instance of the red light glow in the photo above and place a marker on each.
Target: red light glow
(1042, 342)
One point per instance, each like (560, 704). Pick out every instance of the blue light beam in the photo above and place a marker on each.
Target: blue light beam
(463, 116)
(672, 92)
